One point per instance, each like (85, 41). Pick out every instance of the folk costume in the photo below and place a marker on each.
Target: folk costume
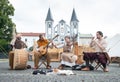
(100, 54)
(67, 57)
(38, 54)
(18, 44)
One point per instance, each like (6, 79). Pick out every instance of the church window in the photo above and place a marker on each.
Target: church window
(49, 31)
(75, 25)
(62, 24)
(49, 25)
(55, 31)
(62, 29)
(75, 31)
(62, 39)
(25, 39)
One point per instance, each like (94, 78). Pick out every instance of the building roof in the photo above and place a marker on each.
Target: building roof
(62, 21)
(85, 35)
(49, 16)
(74, 17)
(31, 34)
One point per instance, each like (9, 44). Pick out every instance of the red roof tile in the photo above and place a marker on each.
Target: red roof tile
(31, 34)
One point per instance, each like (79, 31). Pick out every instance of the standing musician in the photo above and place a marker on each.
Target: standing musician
(67, 57)
(99, 44)
(42, 51)
(18, 44)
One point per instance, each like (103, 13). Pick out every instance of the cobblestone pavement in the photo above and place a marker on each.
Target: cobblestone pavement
(7, 75)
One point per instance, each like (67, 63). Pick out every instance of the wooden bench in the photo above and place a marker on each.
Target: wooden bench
(115, 59)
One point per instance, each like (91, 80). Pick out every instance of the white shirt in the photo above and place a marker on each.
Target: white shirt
(101, 42)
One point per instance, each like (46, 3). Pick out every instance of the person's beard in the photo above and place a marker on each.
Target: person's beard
(98, 37)
(42, 38)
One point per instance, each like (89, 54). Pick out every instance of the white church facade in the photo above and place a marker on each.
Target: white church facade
(62, 29)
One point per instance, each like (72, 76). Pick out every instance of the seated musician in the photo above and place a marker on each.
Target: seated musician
(99, 44)
(18, 44)
(67, 57)
(41, 51)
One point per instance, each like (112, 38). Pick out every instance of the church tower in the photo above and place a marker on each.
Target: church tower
(49, 25)
(74, 24)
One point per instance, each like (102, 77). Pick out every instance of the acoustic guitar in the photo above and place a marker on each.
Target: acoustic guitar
(43, 49)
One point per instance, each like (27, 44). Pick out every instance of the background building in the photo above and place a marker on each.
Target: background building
(85, 39)
(62, 29)
(30, 37)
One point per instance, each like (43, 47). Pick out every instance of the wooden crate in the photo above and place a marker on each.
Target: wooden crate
(79, 52)
(55, 54)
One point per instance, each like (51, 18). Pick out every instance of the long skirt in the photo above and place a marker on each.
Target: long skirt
(68, 59)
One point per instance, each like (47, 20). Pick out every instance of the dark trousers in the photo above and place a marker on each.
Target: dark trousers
(99, 56)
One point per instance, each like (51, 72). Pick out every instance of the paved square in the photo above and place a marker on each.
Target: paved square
(7, 75)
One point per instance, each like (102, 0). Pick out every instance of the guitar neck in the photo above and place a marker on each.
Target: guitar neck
(51, 41)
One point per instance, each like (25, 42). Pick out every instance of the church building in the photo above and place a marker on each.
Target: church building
(62, 29)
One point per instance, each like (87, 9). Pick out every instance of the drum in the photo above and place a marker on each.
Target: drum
(20, 59)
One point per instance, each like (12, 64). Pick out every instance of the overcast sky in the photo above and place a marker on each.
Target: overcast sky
(93, 15)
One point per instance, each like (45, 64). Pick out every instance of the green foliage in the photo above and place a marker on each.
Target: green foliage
(3, 45)
(6, 24)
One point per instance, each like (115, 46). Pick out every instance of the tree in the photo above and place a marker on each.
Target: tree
(6, 24)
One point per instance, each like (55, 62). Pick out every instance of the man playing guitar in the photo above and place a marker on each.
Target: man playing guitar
(42, 50)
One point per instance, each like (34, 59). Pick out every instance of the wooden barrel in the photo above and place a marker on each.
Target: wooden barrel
(20, 59)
